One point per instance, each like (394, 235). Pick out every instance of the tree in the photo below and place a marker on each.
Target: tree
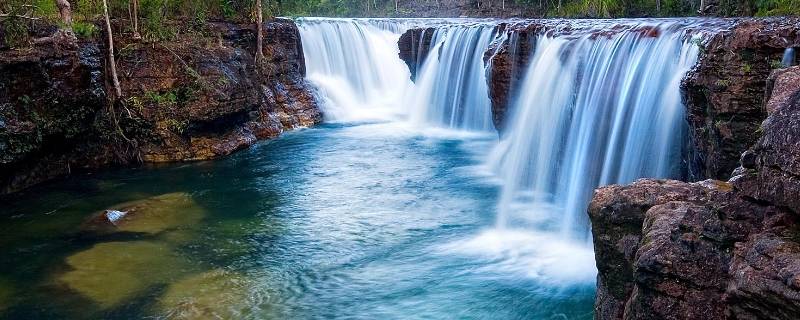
(260, 34)
(111, 61)
(65, 11)
(136, 34)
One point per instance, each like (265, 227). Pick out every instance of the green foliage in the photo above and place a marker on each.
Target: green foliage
(778, 7)
(176, 126)
(746, 68)
(15, 32)
(162, 99)
(84, 29)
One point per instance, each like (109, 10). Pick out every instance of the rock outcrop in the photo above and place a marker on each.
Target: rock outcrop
(414, 46)
(712, 249)
(725, 91)
(199, 96)
(49, 99)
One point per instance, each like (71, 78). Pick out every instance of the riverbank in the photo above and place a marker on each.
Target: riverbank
(196, 97)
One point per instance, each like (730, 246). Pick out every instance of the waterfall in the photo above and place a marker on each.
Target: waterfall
(591, 111)
(451, 89)
(788, 57)
(355, 65)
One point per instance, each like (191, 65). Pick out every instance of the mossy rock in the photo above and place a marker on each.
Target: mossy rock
(110, 273)
(216, 294)
(153, 215)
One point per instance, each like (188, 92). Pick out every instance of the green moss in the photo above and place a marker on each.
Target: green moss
(216, 294)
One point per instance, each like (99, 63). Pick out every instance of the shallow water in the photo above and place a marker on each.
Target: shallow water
(347, 221)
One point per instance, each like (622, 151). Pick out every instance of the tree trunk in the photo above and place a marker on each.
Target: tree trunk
(65, 11)
(136, 34)
(260, 34)
(111, 61)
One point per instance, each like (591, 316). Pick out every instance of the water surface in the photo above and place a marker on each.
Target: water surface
(356, 221)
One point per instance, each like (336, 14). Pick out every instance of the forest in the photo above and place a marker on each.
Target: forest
(15, 14)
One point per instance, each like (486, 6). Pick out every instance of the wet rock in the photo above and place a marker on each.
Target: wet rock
(111, 273)
(506, 63)
(216, 294)
(414, 45)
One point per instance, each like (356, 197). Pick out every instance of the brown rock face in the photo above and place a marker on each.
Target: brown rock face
(203, 99)
(724, 93)
(414, 46)
(506, 64)
(48, 101)
(712, 249)
(199, 96)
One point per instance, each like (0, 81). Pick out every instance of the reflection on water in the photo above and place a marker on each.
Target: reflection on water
(343, 221)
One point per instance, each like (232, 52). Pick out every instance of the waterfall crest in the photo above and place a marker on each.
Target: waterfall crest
(591, 111)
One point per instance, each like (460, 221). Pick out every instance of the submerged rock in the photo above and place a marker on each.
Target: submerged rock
(6, 295)
(216, 294)
(152, 215)
(111, 273)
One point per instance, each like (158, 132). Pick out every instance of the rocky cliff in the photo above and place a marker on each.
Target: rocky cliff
(724, 94)
(713, 249)
(198, 96)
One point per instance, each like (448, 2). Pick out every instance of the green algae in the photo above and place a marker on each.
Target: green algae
(110, 273)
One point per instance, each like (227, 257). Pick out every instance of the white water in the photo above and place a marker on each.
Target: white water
(355, 65)
(591, 112)
(788, 57)
(451, 88)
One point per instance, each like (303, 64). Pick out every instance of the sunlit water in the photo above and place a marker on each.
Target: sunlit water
(362, 221)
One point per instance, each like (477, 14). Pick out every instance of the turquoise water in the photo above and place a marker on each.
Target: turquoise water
(359, 221)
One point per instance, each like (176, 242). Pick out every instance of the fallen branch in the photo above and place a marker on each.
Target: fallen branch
(16, 16)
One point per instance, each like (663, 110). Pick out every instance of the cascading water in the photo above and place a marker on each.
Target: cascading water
(595, 107)
(451, 88)
(355, 64)
(593, 110)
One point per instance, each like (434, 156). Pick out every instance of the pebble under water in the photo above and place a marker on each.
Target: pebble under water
(345, 221)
